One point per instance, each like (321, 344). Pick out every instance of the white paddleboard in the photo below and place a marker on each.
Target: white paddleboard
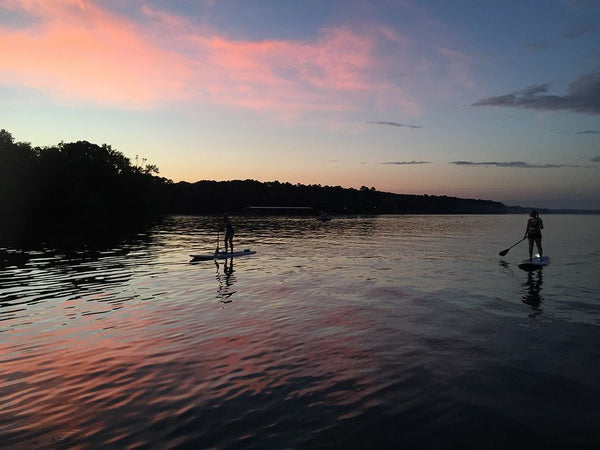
(222, 255)
(535, 263)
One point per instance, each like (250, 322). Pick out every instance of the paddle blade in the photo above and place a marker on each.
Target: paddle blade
(504, 252)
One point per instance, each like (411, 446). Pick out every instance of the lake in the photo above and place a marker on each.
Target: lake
(361, 332)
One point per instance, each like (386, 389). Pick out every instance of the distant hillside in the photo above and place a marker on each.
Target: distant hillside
(236, 196)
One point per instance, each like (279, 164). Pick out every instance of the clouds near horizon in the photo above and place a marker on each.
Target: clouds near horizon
(515, 164)
(588, 132)
(396, 124)
(405, 163)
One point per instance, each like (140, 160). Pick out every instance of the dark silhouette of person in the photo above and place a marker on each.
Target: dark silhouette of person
(229, 232)
(533, 233)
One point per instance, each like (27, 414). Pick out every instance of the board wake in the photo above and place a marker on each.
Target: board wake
(534, 263)
(221, 255)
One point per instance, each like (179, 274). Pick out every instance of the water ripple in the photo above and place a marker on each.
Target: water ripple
(359, 333)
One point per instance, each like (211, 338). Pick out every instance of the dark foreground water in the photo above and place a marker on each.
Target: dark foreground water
(384, 332)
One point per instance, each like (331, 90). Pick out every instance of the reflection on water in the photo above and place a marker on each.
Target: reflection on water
(361, 332)
(532, 287)
(225, 279)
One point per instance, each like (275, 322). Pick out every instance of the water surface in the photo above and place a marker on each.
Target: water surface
(356, 333)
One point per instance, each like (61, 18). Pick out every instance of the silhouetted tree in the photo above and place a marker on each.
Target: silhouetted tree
(69, 185)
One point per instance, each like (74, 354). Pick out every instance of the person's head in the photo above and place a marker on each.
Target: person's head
(225, 218)
(533, 213)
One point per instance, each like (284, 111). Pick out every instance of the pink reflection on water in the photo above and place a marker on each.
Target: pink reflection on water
(103, 377)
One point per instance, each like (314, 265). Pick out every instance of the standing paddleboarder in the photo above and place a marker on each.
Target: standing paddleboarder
(533, 233)
(229, 232)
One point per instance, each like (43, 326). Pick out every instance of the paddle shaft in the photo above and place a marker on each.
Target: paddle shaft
(504, 252)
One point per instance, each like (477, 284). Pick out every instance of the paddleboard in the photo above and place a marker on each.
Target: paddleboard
(221, 255)
(535, 263)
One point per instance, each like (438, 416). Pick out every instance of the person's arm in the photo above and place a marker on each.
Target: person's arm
(526, 229)
(541, 224)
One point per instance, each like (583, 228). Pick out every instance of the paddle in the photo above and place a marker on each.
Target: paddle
(504, 252)
(217, 250)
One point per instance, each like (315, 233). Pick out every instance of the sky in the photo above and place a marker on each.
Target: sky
(473, 98)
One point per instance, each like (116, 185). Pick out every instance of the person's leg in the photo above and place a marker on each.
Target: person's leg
(530, 248)
(538, 243)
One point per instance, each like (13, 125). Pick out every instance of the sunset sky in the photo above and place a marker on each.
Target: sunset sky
(496, 100)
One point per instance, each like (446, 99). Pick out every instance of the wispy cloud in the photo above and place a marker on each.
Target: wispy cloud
(517, 164)
(588, 132)
(578, 30)
(536, 47)
(580, 4)
(395, 124)
(81, 52)
(406, 163)
(583, 96)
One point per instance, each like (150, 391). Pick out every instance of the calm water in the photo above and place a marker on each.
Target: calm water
(375, 332)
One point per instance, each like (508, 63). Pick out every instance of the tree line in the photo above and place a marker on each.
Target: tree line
(237, 196)
(72, 185)
(81, 184)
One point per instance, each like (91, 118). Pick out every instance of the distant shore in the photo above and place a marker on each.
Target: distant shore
(82, 185)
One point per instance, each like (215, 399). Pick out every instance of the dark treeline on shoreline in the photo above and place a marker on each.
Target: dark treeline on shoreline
(236, 196)
(72, 187)
(83, 186)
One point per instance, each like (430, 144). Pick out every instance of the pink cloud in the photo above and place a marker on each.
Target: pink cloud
(280, 74)
(80, 53)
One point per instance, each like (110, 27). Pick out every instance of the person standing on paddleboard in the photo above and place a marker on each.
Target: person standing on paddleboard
(229, 232)
(533, 233)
